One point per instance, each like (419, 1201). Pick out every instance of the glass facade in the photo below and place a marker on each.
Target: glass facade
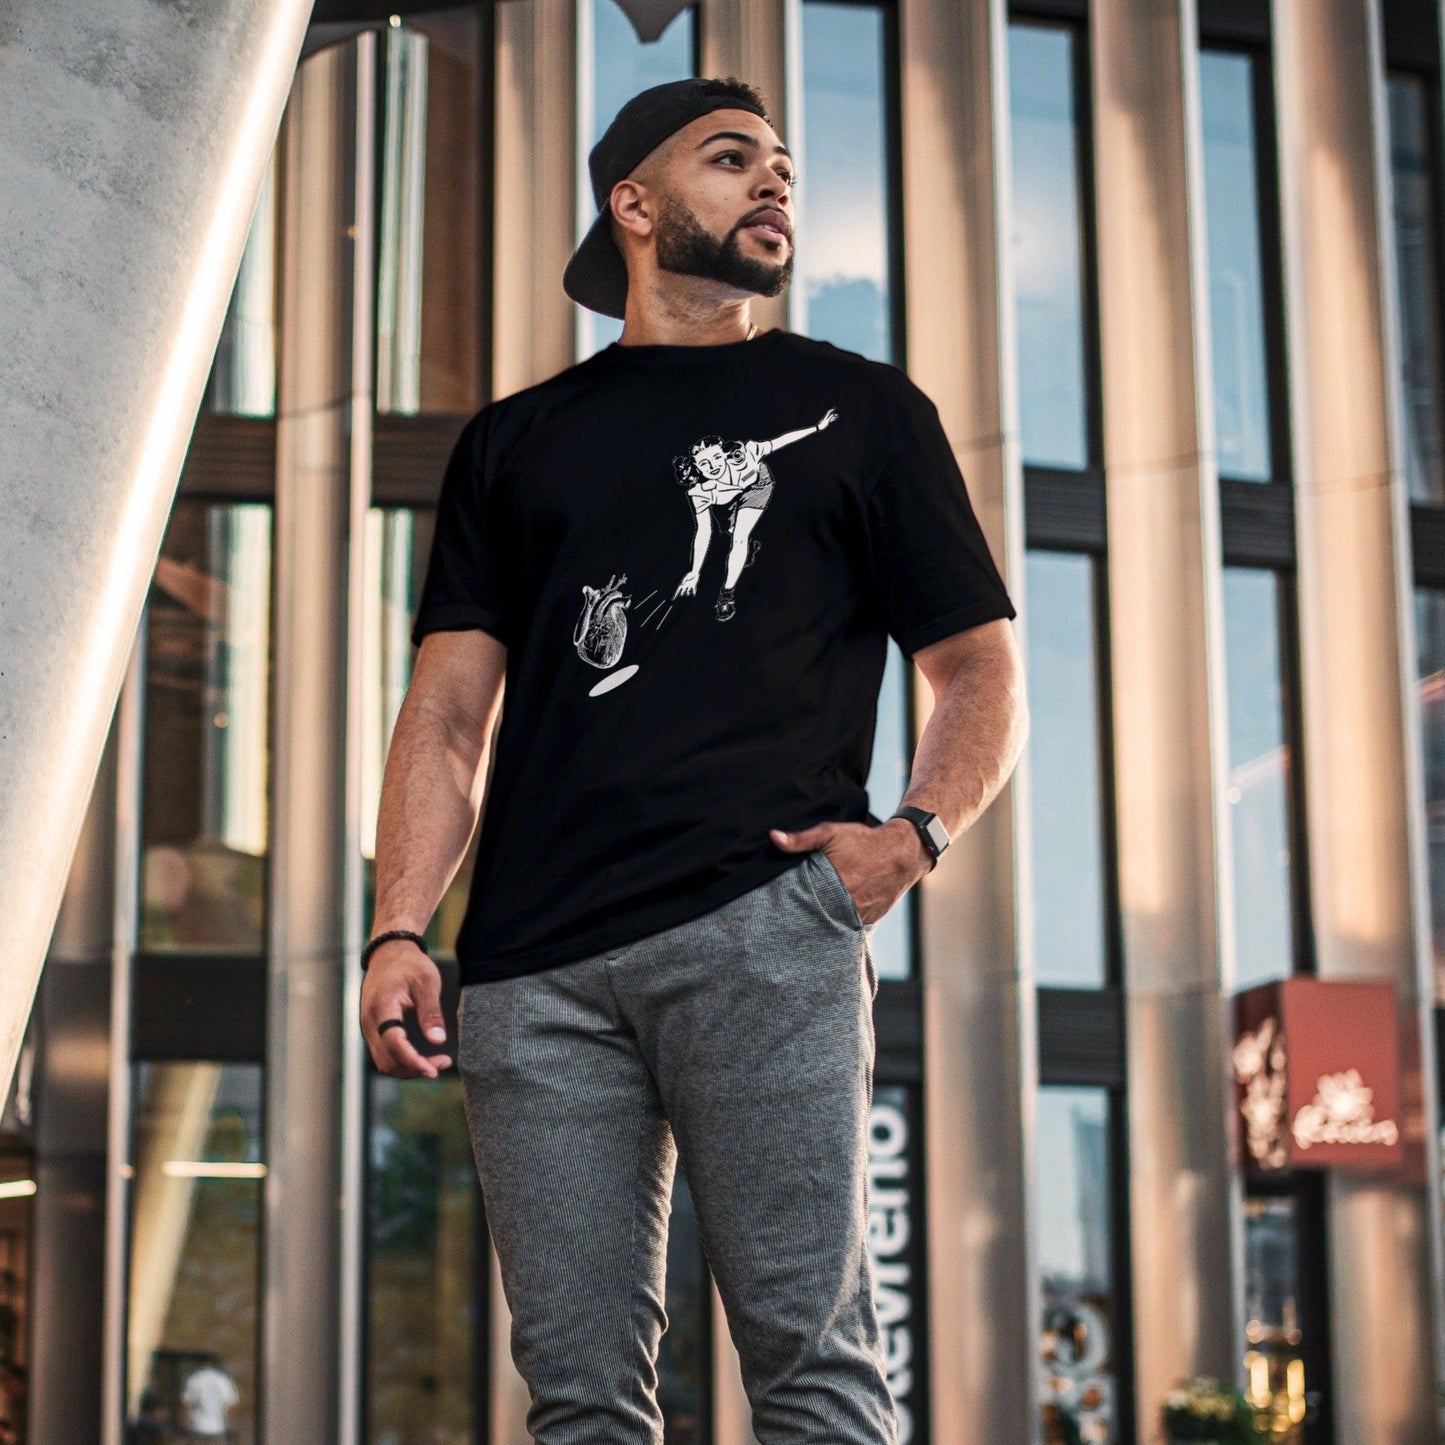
(1047, 244)
(1227, 81)
(1430, 670)
(425, 1261)
(431, 290)
(207, 711)
(243, 374)
(1066, 791)
(194, 1301)
(1414, 188)
(1260, 786)
(1075, 1241)
(1274, 1366)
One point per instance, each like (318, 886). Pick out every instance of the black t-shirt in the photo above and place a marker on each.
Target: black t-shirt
(656, 722)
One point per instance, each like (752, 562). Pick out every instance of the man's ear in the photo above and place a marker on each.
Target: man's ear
(632, 210)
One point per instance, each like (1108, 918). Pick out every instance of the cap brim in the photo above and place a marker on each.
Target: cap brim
(596, 276)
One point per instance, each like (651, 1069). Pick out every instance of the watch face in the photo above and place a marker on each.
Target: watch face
(937, 832)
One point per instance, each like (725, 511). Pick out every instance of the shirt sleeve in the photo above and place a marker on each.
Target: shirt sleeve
(465, 584)
(933, 573)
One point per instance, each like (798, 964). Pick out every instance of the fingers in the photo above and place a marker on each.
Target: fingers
(805, 840)
(390, 997)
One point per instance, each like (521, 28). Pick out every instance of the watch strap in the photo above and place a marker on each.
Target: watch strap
(924, 822)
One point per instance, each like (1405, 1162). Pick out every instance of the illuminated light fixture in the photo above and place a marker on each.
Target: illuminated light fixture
(211, 1169)
(17, 1189)
(394, 21)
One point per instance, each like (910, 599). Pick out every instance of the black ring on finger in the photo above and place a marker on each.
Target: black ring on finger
(390, 1024)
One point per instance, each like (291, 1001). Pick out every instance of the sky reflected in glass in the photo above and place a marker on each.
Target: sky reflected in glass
(1259, 777)
(1066, 787)
(1046, 246)
(1236, 267)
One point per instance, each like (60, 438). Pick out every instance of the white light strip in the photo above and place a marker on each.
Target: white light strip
(207, 1169)
(17, 1188)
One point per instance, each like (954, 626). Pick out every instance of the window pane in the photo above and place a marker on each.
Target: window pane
(683, 1362)
(1274, 1367)
(1236, 269)
(193, 1315)
(423, 1290)
(397, 543)
(621, 66)
(888, 775)
(840, 289)
(1066, 783)
(1430, 643)
(1075, 1235)
(430, 241)
(243, 374)
(208, 658)
(1047, 245)
(1259, 777)
(1417, 295)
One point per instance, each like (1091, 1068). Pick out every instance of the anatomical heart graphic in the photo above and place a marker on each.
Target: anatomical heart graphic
(601, 631)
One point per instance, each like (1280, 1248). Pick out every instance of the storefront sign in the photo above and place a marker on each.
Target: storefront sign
(1317, 1074)
(894, 1244)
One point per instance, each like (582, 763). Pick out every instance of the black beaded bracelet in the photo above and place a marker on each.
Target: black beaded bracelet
(388, 937)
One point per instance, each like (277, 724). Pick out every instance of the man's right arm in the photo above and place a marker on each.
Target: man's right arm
(431, 796)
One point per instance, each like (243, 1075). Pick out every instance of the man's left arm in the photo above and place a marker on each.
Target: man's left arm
(964, 756)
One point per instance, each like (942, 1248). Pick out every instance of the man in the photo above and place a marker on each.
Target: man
(652, 969)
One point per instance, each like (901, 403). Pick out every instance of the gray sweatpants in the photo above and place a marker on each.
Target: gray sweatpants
(743, 1042)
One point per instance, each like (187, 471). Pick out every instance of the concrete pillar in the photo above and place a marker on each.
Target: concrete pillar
(979, 1047)
(138, 136)
(1361, 747)
(323, 422)
(535, 202)
(1165, 639)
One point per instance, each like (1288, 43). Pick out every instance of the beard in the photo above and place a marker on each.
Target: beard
(686, 248)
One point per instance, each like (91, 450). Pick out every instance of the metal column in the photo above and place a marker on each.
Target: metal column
(322, 474)
(137, 137)
(980, 1055)
(1357, 659)
(1165, 631)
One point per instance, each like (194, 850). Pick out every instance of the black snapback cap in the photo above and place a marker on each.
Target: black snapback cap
(596, 276)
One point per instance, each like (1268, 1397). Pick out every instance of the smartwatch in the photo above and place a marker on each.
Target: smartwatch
(930, 830)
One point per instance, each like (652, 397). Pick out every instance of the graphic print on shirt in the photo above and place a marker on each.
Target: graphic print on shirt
(730, 476)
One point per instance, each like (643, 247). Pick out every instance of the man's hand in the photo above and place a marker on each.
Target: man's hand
(688, 586)
(400, 977)
(877, 865)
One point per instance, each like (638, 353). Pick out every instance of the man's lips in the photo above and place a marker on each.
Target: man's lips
(771, 227)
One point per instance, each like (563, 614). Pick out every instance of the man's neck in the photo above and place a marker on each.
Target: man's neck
(675, 323)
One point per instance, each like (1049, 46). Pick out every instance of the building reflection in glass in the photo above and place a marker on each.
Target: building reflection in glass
(430, 227)
(1074, 1231)
(423, 1251)
(1430, 670)
(192, 1329)
(1066, 792)
(243, 374)
(1236, 267)
(1047, 244)
(1413, 109)
(1259, 777)
(208, 657)
(1274, 1370)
